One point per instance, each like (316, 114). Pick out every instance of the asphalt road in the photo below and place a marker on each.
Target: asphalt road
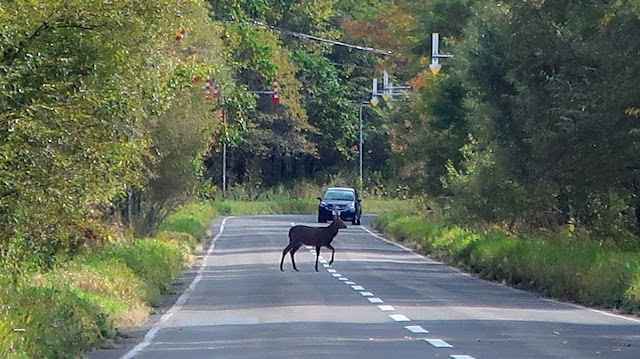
(378, 300)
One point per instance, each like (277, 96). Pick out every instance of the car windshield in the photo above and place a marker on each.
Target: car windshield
(338, 196)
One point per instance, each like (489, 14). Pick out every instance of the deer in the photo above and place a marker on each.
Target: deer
(312, 236)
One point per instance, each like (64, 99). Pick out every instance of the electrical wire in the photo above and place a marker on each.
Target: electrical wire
(316, 38)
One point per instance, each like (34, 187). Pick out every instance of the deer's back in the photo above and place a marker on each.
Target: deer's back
(311, 236)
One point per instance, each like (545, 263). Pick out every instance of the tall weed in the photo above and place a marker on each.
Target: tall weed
(157, 263)
(192, 218)
(108, 283)
(52, 323)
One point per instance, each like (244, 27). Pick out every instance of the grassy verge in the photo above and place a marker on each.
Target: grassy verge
(298, 206)
(81, 304)
(583, 271)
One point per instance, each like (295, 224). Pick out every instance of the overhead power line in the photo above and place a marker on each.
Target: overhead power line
(320, 39)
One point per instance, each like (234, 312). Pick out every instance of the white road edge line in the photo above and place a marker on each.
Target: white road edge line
(618, 316)
(461, 357)
(391, 242)
(634, 320)
(151, 334)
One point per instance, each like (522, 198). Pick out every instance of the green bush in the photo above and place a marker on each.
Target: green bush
(632, 295)
(192, 218)
(156, 262)
(288, 206)
(108, 283)
(77, 305)
(53, 323)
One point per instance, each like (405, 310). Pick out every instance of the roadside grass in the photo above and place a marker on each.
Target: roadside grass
(298, 206)
(280, 206)
(81, 304)
(192, 219)
(581, 271)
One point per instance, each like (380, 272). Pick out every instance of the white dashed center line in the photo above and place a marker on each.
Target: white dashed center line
(416, 329)
(399, 318)
(386, 308)
(439, 343)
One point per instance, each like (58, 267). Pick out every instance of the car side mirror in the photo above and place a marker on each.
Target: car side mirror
(359, 199)
(319, 198)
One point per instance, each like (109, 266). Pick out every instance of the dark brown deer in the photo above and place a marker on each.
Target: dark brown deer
(312, 236)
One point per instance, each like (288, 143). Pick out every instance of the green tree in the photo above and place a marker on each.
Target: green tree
(81, 82)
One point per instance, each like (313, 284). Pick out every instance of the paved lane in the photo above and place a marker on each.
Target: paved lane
(378, 300)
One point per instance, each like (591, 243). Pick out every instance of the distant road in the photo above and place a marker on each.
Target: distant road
(377, 301)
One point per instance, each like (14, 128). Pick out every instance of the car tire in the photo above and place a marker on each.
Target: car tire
(358, 221)
(353, 221)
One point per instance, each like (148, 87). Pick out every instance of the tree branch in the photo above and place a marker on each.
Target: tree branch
(44, 25)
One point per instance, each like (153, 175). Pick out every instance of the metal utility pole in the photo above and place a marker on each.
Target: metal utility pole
(360, 147)
(224, 151)
(436, 55)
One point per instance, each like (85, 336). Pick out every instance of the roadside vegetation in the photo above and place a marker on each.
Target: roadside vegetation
(565, 266)
(84, 303)
(114, 114)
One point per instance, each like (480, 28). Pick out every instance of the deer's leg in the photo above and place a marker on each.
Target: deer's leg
(317, 256)
(292, 252)
(333, 251)
(284, 253)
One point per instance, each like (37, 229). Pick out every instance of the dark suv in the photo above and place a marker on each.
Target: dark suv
(344, 199)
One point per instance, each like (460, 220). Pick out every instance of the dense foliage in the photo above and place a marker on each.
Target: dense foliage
(91, 94)
(533, 125)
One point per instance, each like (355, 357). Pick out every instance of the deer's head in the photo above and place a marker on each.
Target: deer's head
(337, 220)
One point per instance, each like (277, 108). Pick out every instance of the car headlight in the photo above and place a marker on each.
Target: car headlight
(323, 205)
(352, 206)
